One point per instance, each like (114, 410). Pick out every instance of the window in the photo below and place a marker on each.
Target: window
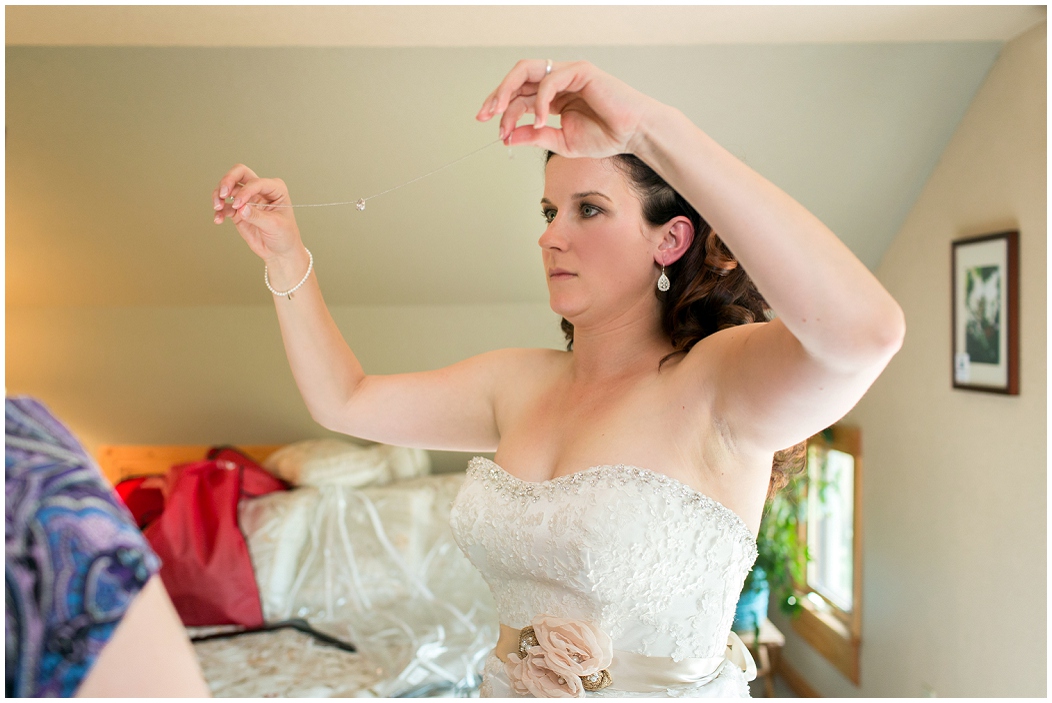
(831, 595)
(830, 522)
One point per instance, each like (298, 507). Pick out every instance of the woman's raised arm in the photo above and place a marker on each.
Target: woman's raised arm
(450, 408)
(837, 327)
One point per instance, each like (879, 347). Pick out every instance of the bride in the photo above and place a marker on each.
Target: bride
(618, 519)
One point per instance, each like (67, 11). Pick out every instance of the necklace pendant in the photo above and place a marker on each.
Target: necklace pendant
(360, 204)
(289, 295)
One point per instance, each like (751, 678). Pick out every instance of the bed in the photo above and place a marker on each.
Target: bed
(367, 558)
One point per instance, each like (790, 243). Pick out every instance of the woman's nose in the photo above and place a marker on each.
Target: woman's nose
(553, 237)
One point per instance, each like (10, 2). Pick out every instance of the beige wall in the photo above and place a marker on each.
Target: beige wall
(954, 491)
(218, 374)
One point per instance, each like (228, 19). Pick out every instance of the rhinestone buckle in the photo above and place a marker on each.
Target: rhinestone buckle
(598, 680)
(593, 682)
(527, 639)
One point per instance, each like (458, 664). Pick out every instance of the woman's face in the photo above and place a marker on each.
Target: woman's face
(597, 233)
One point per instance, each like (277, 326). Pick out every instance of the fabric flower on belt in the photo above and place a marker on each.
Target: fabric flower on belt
(560, 658)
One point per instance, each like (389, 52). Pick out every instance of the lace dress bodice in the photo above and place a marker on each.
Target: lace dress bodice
(656, 564)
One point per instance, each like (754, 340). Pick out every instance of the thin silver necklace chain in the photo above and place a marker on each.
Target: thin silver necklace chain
(360, 203)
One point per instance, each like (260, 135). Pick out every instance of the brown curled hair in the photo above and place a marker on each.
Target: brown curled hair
(709, 290)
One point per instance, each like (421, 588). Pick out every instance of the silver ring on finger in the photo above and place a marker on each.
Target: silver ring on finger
(548, 68)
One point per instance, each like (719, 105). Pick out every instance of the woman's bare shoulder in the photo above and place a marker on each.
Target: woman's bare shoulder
(523, 375)
(531, 362)
(705, 355)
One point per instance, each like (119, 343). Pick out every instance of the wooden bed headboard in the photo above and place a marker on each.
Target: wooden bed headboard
(121, 461)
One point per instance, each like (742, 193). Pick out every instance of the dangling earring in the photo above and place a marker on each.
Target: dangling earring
(663, 283)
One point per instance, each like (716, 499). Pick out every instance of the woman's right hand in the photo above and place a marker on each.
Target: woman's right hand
(270, 232)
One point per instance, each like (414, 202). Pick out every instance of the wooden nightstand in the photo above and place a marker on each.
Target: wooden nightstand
(766, 653)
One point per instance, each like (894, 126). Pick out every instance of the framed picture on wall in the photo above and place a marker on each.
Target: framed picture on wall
(985, 313)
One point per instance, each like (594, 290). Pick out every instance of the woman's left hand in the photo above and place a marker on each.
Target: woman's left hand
(600, 116)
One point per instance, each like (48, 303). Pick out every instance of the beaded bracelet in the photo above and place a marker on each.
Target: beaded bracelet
(288, 293)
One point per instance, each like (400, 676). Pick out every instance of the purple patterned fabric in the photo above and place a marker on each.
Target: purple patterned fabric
(74, 557)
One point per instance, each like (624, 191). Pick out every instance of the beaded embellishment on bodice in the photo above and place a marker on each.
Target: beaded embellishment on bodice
(656, 564)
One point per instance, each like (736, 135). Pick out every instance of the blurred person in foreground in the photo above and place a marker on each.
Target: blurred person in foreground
(86, 613)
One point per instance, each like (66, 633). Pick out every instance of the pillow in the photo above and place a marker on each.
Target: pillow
(335, 462)
(405, 462)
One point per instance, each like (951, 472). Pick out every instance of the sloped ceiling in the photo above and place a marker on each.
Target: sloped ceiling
(120, 121)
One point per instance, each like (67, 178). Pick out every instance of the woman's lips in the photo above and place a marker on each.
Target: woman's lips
(559, 276)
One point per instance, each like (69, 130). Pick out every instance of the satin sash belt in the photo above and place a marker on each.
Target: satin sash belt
(631, 671)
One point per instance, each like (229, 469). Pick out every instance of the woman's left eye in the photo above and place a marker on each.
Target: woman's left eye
(590, 207)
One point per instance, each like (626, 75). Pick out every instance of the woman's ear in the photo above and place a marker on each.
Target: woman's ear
(678, 233)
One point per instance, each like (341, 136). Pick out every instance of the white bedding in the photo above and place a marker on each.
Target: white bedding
(375, 566)
(282, 664)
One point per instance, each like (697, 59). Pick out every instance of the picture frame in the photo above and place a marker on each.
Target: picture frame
(984, 279)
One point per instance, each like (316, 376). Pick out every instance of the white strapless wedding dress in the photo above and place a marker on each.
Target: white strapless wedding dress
(653, 563)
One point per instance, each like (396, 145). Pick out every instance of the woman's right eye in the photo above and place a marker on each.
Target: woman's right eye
(548, 215)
